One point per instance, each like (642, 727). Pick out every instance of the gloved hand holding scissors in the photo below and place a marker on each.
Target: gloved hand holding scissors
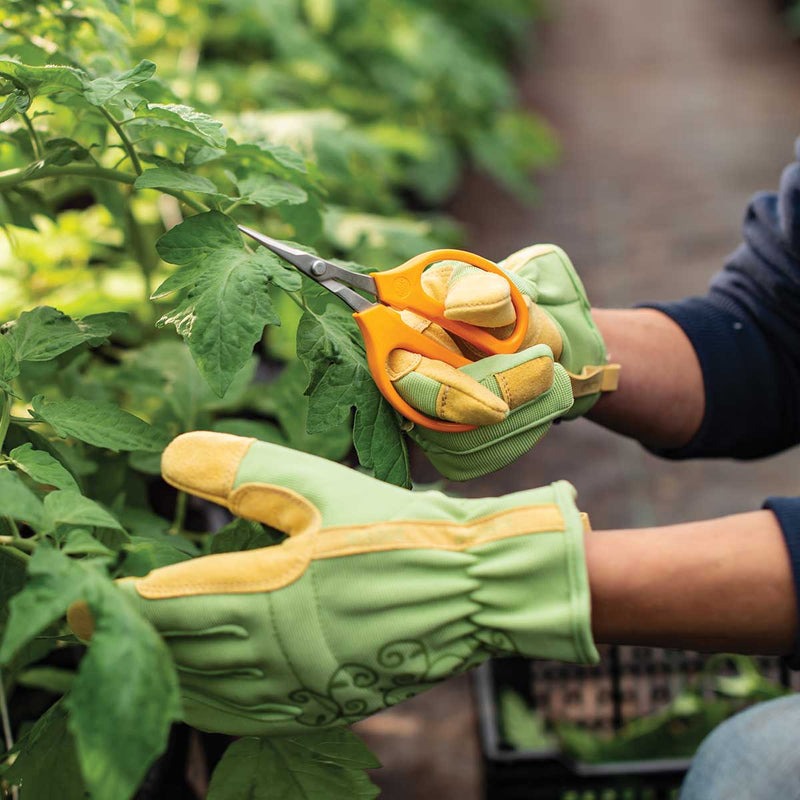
(533, 389)
(466, 349)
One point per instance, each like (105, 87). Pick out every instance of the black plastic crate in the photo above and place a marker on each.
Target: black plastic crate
(629, 683)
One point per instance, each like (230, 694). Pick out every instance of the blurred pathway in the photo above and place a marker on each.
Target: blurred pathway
(671, 115)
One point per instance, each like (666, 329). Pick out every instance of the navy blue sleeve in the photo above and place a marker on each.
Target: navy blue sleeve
(746, 332)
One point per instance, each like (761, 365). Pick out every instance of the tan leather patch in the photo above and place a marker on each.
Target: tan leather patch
(247, 572)
(276, 506)
(435, 534)
(593, 379)
(525, 382)
(272, 568)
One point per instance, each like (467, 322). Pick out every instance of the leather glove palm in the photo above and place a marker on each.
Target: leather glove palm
(376, 594)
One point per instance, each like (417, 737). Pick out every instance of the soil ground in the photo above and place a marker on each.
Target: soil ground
(670, 116)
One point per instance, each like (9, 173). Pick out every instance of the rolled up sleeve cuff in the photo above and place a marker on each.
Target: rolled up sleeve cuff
(742, 394)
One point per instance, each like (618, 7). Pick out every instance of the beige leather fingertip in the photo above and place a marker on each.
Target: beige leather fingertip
(204, 463)
(400, 363)
(80, 620)
(434, 280)
(480, 298)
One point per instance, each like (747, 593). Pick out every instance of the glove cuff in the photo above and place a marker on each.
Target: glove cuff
(534, 589)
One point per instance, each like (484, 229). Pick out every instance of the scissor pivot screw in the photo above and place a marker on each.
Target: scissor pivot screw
(318, 268)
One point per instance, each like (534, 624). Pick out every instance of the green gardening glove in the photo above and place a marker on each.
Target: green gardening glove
(559, 371)
(377, 594)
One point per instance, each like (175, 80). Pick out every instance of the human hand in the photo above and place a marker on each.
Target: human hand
(559, 371)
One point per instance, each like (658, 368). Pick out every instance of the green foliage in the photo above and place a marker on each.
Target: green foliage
(314, 767)
(223, 299)
(121, 188)
(340, 380)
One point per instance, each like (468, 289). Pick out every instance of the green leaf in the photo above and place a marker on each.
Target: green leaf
(47, 766)
(267, 192)
(224, 303)
(42, 467)
(330, 347)
(319, 766)
(291, 409)
(17, 101)
(12, 577)
(81, 543)
(144, 554)
(61, 151)
(180, 122)
(125, 697)
(522, 727)
(45, 332)
(255, 428)
(101, 90)
(69, 507)
(244, 534)
(9, 368)
(173, 178)
(51, 679)
(100, 424)
(54, 582)
(42, 80)
(18, 501)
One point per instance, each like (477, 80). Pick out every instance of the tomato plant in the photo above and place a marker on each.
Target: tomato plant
(121, 186)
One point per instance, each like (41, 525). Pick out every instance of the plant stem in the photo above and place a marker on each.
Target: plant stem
(25, 546)
(298, 300)
(8, 736)
(126, 142)
(234, 205)
(34, 136)
(5, 416)
(13, 177)
(180, 513)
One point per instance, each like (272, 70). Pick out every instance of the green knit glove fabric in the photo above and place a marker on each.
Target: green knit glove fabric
(545, 273)
(377, 594)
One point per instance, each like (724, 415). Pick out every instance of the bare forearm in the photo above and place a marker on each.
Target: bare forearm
(660, 400)
(721, 585)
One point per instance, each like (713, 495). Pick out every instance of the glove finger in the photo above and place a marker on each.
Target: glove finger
(484, 299)
(518, 378)
(470, 294)
(442, 391)
(429, 329)
(284, 488)
(541, 330)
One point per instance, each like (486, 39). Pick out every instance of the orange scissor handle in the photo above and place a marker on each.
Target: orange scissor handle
(384, 331)
(401, 288)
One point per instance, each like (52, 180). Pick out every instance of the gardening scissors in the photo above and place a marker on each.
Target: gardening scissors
(380, 323)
